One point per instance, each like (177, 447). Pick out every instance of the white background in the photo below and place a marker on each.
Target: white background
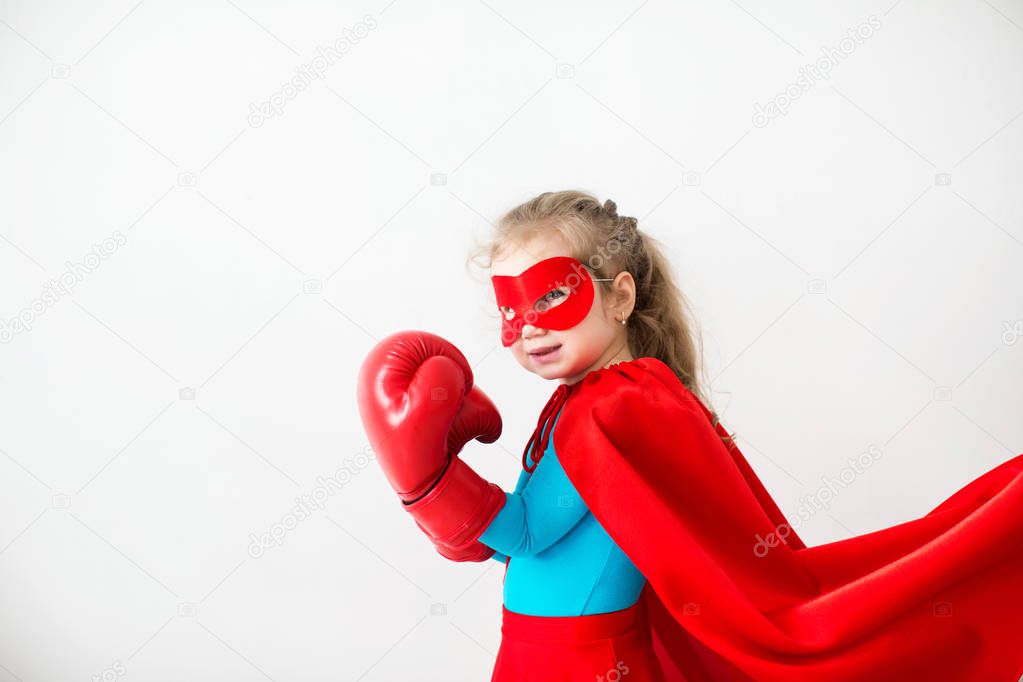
(202, 376)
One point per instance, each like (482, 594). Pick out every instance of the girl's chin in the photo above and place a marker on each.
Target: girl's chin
(558, 370)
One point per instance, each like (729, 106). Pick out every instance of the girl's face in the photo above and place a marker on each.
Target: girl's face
(568, 354)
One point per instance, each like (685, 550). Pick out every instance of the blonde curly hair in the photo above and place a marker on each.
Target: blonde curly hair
(662, 324)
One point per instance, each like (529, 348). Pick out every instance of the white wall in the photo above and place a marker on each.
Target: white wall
(850, 296)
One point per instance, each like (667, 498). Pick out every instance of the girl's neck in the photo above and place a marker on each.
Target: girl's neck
(614, 353)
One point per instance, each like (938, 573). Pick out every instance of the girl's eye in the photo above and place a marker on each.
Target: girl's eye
(551, 299)
(507, 312)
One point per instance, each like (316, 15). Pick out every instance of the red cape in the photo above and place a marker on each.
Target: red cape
(935, 598)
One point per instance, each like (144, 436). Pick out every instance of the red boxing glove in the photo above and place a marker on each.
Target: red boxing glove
(419, 408)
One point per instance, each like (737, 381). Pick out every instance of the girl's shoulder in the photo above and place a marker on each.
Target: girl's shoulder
(629, 394)
(638, 410)
(646, 376)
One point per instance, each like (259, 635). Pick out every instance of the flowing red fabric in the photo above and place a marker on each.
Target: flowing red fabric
(936, 598)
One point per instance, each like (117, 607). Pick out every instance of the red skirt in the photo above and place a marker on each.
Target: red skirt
(602, 647)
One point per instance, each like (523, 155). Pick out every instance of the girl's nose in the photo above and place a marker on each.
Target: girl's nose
(529, 331)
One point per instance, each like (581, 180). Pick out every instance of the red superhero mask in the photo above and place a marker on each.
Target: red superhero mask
(555, 293)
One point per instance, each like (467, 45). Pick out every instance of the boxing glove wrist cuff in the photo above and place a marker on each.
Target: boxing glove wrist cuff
(458, 508)
(475, 551)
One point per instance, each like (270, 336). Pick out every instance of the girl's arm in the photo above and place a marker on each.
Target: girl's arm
(539, 513)
(519, 485)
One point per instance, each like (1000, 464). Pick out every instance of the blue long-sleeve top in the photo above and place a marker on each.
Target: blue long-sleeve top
(563, 562)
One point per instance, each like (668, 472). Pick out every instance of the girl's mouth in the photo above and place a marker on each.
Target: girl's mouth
(546, 354)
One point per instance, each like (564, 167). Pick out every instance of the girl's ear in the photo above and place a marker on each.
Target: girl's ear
(624, 288)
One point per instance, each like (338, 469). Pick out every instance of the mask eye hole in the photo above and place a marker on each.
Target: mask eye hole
(506, 312)
(552, 299)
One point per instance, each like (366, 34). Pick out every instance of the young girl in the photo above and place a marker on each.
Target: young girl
(638, 543)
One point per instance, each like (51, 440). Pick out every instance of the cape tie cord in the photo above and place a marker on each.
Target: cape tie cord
(544, 427)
